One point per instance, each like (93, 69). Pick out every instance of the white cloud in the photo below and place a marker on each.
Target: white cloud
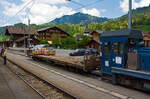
(47, 13)
(41, 12)
(7, 24)
(125, 6)
(48, 1)
(93, 11)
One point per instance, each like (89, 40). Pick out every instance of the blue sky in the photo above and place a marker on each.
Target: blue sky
(42, 11)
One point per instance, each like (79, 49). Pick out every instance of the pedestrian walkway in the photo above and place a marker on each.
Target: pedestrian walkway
(5, 91)
(12, 87)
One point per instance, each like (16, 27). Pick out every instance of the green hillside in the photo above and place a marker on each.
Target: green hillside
(140, 20)
(78, 18)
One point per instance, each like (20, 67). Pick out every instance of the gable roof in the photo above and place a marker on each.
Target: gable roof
(130, 33)
(47, 28)
(17, 30)
(43, 29)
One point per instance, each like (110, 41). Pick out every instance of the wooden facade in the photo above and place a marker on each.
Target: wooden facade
(93, 44)
(46, 33)
(18, 34)
(96, 34)
(20, 41)
(146, 38)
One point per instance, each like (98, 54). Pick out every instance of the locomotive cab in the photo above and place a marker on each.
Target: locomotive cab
(117, 47)
(125, 58)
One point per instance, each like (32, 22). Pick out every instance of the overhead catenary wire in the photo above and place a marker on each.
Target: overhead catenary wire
(30, 8)
(28, 3)
(29, 24)
(76, 3)
(82, 6)
(89, 4)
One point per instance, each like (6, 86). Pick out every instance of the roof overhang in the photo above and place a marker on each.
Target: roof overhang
(129, 33)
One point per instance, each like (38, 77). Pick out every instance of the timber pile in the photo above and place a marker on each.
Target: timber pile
(87, 63)
(63, 60)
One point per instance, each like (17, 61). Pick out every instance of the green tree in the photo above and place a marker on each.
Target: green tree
(56, 40)
(69, 43)
(82, 41)
(44, 41)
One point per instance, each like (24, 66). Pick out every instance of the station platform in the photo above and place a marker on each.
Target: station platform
(11, 87)
(5, 91)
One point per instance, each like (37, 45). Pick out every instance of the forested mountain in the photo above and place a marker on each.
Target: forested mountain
(137, 12)
(78, 18)
(140, 19)
(142, 11)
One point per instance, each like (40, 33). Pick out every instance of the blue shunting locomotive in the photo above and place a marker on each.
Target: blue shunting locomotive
(125, 58)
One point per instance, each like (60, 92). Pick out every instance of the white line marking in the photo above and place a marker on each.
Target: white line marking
(84, 83)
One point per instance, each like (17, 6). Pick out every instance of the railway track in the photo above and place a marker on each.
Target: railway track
(39, 64)
(115, 94)
(17, 52)
(43, 88)
(93, 75)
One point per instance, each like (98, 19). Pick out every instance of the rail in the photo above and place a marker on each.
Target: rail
(44, 97)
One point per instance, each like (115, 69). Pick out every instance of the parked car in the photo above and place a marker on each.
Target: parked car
(92, 51)
(78, 52)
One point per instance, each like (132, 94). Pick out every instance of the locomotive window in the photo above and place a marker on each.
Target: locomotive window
(121, 47)
(118, 48)
(107, 48)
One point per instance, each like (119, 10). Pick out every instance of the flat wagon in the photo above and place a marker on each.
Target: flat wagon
(86, 63)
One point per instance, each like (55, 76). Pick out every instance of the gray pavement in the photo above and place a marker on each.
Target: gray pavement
(63, 52)
(11, 87)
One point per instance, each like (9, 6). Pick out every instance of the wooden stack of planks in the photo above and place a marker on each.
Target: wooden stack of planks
(87, 64)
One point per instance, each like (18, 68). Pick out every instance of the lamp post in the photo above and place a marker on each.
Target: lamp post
(24, 37)
(130, 12)
(29, 34)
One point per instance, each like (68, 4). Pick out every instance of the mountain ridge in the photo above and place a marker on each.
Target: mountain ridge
(78, 18)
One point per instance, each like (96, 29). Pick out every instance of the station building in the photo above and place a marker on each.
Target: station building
(95, 42)
(19, 35)
(46, 33)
